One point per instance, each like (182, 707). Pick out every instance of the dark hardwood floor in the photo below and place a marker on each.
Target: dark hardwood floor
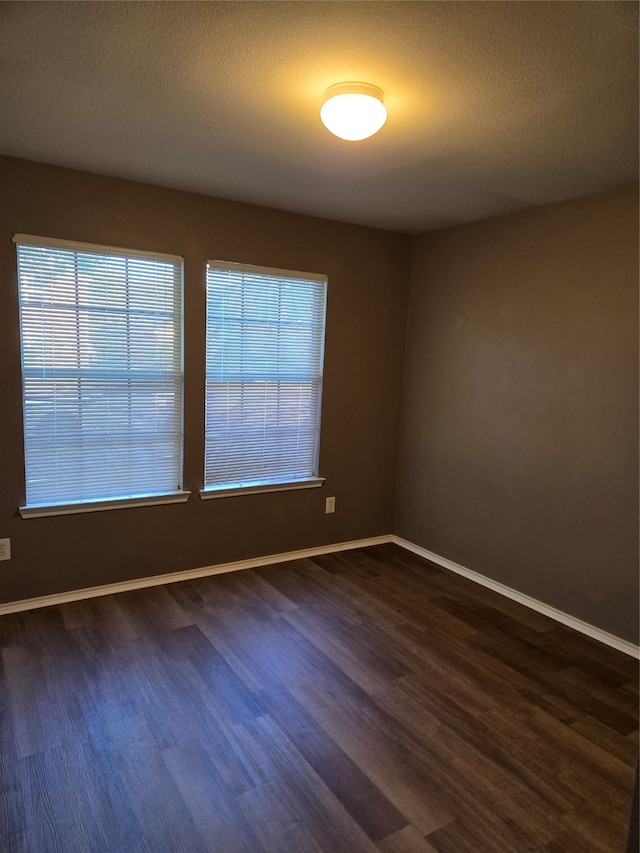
(364, 701)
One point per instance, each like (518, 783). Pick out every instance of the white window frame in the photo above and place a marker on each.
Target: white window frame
(257, 485)
(92, 504)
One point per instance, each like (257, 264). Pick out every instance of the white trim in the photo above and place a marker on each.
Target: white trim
(232, 266)
(73, 246)
(255, 562)
(188, 574)
(44, 510)
(231, 491)
(552, 612)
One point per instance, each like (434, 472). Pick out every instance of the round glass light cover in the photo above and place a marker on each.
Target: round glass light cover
(353, 115)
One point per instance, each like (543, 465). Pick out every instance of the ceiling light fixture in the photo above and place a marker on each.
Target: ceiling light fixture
(353, 110)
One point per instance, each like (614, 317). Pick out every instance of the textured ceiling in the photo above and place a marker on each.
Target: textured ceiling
(493, 106)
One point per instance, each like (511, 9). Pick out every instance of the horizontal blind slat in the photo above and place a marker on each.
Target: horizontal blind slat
(265, 349)
(102, 371)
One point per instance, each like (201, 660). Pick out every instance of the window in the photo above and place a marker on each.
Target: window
(102, 375)
(265, 346)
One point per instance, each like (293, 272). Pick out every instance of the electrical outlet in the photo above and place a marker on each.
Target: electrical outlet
(330, 505)
(5, 549)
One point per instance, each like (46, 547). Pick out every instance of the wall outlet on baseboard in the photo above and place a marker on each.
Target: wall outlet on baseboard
(330, 505)
(5, 549)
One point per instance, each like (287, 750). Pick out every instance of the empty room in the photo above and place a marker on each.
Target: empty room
(319, 427)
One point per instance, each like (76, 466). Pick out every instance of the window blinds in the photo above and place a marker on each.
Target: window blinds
(102, 371)
(265, 345)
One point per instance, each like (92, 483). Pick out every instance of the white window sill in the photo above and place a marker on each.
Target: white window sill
(42, 510)
(230, 491)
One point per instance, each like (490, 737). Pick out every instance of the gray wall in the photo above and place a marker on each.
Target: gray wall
(518, 443)
(368, 274)
(519, 436)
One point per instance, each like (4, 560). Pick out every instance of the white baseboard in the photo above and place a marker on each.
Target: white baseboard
(186, 575)
(255, 562)
(546, 609)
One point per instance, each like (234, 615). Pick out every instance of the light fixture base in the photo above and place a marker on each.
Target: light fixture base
(354, 89)
(353, 111)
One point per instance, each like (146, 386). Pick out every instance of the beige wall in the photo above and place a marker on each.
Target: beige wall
(519, 437)
(368, 277)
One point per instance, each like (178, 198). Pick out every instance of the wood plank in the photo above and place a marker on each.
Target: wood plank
(215, 814)
(355, 649)
(281, 829)
(304, 794)
(358, 795)
(413, 792)
(351, 703)
(407, 840)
